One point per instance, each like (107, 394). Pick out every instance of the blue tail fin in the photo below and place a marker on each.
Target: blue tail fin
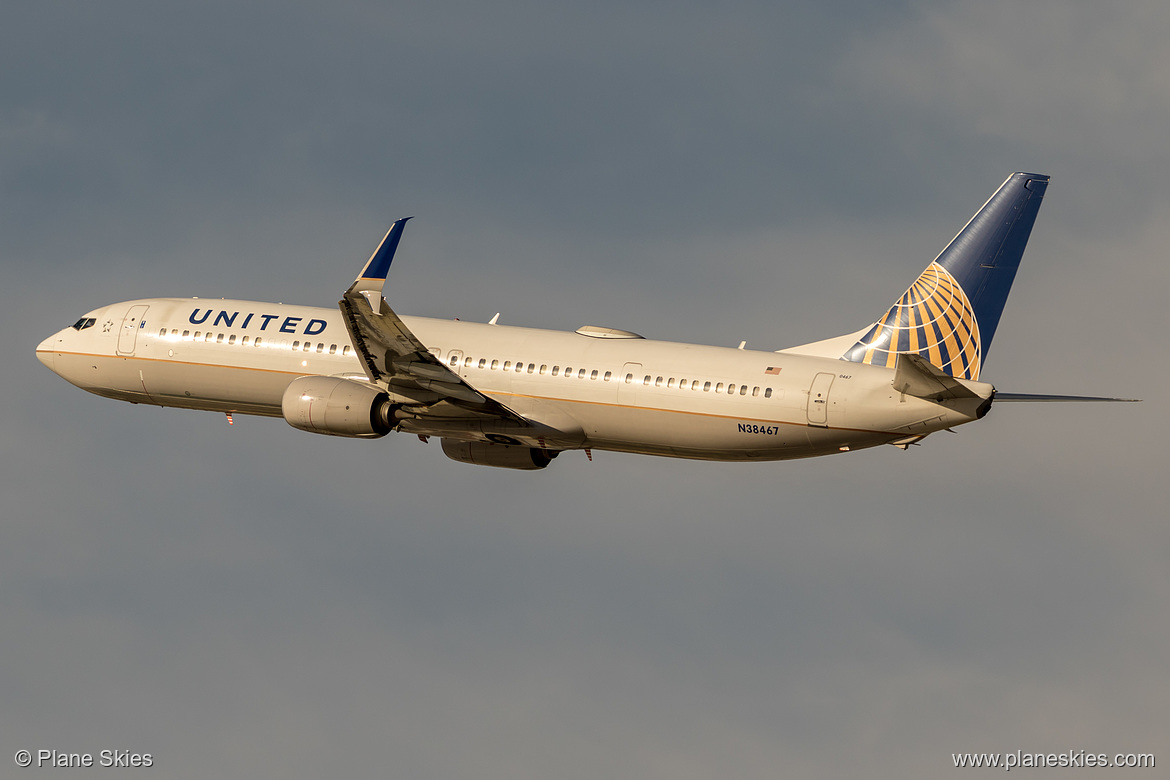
(950, 313)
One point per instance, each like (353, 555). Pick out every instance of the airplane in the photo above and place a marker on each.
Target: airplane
(516, 398)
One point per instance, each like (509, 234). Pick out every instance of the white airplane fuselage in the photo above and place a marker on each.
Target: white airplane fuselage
(515, 398)
(626, 394)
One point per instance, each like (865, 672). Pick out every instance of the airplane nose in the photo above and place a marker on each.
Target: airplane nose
(45, 352)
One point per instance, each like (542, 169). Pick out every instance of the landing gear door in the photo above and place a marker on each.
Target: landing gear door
(131, 324)
(818, 400)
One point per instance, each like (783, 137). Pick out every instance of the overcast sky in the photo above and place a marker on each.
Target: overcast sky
(255, 601)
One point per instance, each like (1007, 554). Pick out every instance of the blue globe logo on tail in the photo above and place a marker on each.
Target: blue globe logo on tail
(934, 319)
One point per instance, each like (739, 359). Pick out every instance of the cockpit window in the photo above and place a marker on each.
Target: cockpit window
(83, 323)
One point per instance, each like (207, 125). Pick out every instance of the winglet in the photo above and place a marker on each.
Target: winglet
(373, 276)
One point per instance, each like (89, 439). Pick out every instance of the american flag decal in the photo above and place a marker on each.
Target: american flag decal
(773, 370)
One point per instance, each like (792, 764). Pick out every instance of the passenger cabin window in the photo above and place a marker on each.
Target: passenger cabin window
(743, 389)
(297, 344)
(581, 374)
(482, 362)
(507, 365)
(187, 333)
(629, 378)
(555, 370)
(198, 335)
(162, 333)
(232, 339)
(219, 339)
(608, 376)
(568, 371)
(670, 382)
(646, 379)
(454, 360)
(332, 349)
(320, 348)
(495, 364)
(531, 367)
(308, 346)
(768, 393)
(593, 375)
(346, 349)
(257, 341)
(658, 382)
(467, 362)
(706, 387)
(208, 336)
(543, 369)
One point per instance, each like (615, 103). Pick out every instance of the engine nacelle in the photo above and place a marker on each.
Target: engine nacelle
(337, 407)
(505, 456)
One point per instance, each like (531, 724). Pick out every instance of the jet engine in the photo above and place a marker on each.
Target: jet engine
(506, 456)
(337, 407)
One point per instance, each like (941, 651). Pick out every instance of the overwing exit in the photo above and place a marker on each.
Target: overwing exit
(518, 397)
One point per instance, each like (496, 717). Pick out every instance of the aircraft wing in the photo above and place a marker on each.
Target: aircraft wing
(392, 356)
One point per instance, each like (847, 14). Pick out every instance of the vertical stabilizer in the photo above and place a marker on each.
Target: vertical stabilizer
(950, 314)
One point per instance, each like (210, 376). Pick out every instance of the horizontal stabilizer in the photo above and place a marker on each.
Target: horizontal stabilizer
(914, 375)
(1044, 397)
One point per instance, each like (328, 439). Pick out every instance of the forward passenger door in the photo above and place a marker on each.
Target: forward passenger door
(131, 324)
